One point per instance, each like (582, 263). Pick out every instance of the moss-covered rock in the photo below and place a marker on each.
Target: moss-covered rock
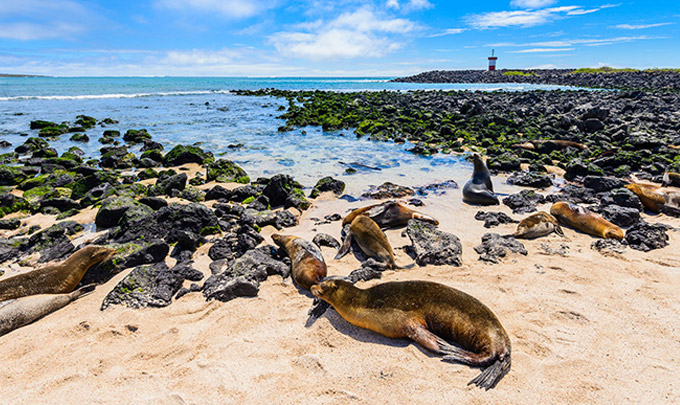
(85, 184)
(224, 170)
(31, 144)
(80, 138)
(327, 184)
(147, 173)
(10, 176)
(192, 194)
(53, 131)
(85, 121)
(40, 124)
(182, 154)
(136, 136)
(112, 211)
(153, 154)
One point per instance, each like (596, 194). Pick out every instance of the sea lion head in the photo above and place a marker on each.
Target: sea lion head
(330, 289)
(281, 240)
(613, 233)
(97, 254)
(478, 162)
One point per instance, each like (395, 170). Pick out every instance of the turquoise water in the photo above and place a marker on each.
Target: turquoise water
(203, 111)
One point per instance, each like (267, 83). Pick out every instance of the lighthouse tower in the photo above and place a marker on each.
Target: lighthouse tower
(492, 61)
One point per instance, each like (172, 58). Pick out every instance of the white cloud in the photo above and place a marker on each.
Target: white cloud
(532, 3)
(539, 50)
(350, 35)
(28, 20)
(529, 17)
(226, 8)
(523, 18)
(448, 31)
(409, 5)
(573, 42)
(640, 26)
(25, 31)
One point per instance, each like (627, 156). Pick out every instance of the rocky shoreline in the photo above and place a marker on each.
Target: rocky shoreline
(602, 78)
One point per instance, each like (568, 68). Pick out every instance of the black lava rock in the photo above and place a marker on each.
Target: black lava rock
(432, 246)
(492, 219)
(524, 202)
(494, 247)
(646, 237)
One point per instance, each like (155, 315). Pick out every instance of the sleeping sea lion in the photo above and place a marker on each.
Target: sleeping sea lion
(561, 144)
(307, 260)
(479, 189)
(22, 311)
(390, 214)
(370, 239)
(431, 314)
(650, 196)
(538, 225)
(57, 278)
(585, 221)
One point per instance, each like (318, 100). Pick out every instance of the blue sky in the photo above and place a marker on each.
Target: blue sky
(330, 38)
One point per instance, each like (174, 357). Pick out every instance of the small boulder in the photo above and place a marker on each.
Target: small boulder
(432, 246)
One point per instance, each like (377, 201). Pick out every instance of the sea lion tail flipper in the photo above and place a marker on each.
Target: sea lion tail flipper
(490, 376)
(83, 291)
(426, 218)
(346, 244)
(558, 230)
(407, 267)
(318, 308)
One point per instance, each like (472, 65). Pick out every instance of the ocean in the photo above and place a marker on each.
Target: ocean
(203, 111)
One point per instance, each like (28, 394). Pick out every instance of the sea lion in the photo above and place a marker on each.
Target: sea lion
(390, 214)
(370, 239)
(671, 179)
(479, 189)
(57, 278)
(308, 264)
(561, 144)
(22, 311)
(432, 315)
(650, 196)
(585, 221)
(537, 225)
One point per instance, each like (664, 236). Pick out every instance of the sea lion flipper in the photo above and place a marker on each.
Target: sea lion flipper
(490, 376)
(318, 308)
(558, 230)
(346, 244)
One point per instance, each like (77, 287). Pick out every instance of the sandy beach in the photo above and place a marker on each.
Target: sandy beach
(585, 328)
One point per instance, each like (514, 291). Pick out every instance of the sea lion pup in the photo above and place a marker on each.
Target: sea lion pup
(307, 261)
(389, 214)
(537, 225)
(370, 239)
(650, 196)
(479, 189)
(432, 315)
(22, 311)
(585, 221)
(57, 278)
(561, 144)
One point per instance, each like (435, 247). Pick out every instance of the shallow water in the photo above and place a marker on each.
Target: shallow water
(174, 111)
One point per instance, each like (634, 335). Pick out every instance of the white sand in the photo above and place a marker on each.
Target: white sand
(585, 328)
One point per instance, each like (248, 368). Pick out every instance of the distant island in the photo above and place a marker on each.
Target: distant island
(604, 77)
(18, 75)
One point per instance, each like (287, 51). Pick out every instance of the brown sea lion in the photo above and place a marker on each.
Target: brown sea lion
(57, 278)
(585, 221)
(561, 144)
(479, 189)
(537, 225)
(370, 239)
(308, 264)
(431, 314)
(22, 311)
(650, 196)
(390, 214)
